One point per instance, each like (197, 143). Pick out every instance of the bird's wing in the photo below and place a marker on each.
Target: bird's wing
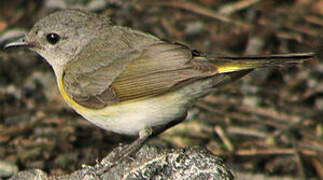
(96, 78)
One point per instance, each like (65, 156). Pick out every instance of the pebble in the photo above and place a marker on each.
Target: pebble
(7, 169)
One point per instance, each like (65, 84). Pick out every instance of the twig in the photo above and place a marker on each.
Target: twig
(238, 115)
(314, 147)
(299, 161)
(170, 29)
(246, 132)
(318, 167)
(227, 142)
(264, 152)
(201, 10)
(271, 113)
(314, 19)
(233, 7)
(304, 30)
(294, 36)
(289, 127)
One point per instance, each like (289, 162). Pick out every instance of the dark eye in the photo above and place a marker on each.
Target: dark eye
(52, 38)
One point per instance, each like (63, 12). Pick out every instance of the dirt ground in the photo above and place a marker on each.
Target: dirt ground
(270, 123)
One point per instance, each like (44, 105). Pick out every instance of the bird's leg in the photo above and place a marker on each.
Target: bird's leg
(117, 155)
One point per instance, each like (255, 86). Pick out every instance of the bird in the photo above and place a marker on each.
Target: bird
(128, 81)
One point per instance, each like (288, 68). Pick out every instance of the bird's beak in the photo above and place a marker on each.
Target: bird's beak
(21, 42)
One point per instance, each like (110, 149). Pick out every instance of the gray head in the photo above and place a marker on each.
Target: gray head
(59, 36)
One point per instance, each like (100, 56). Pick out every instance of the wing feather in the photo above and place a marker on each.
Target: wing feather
(100, 76)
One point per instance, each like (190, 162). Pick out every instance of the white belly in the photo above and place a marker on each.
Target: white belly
(131, 117)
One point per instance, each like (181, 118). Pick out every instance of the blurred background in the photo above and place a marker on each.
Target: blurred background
(269, 125)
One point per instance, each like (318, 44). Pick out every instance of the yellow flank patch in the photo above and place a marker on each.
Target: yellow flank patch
(108, 110)
(229, 68)
(69, 100)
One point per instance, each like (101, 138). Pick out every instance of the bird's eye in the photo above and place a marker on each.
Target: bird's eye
(52, 38)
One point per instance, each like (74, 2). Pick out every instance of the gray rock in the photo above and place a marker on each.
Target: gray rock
(151, 163)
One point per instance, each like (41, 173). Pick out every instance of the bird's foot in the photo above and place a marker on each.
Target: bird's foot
(121, 152)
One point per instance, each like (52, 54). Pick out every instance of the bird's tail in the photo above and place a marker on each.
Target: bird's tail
(228, 69)
(229, 64)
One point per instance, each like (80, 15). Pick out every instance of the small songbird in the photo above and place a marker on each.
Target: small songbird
(128, 81)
